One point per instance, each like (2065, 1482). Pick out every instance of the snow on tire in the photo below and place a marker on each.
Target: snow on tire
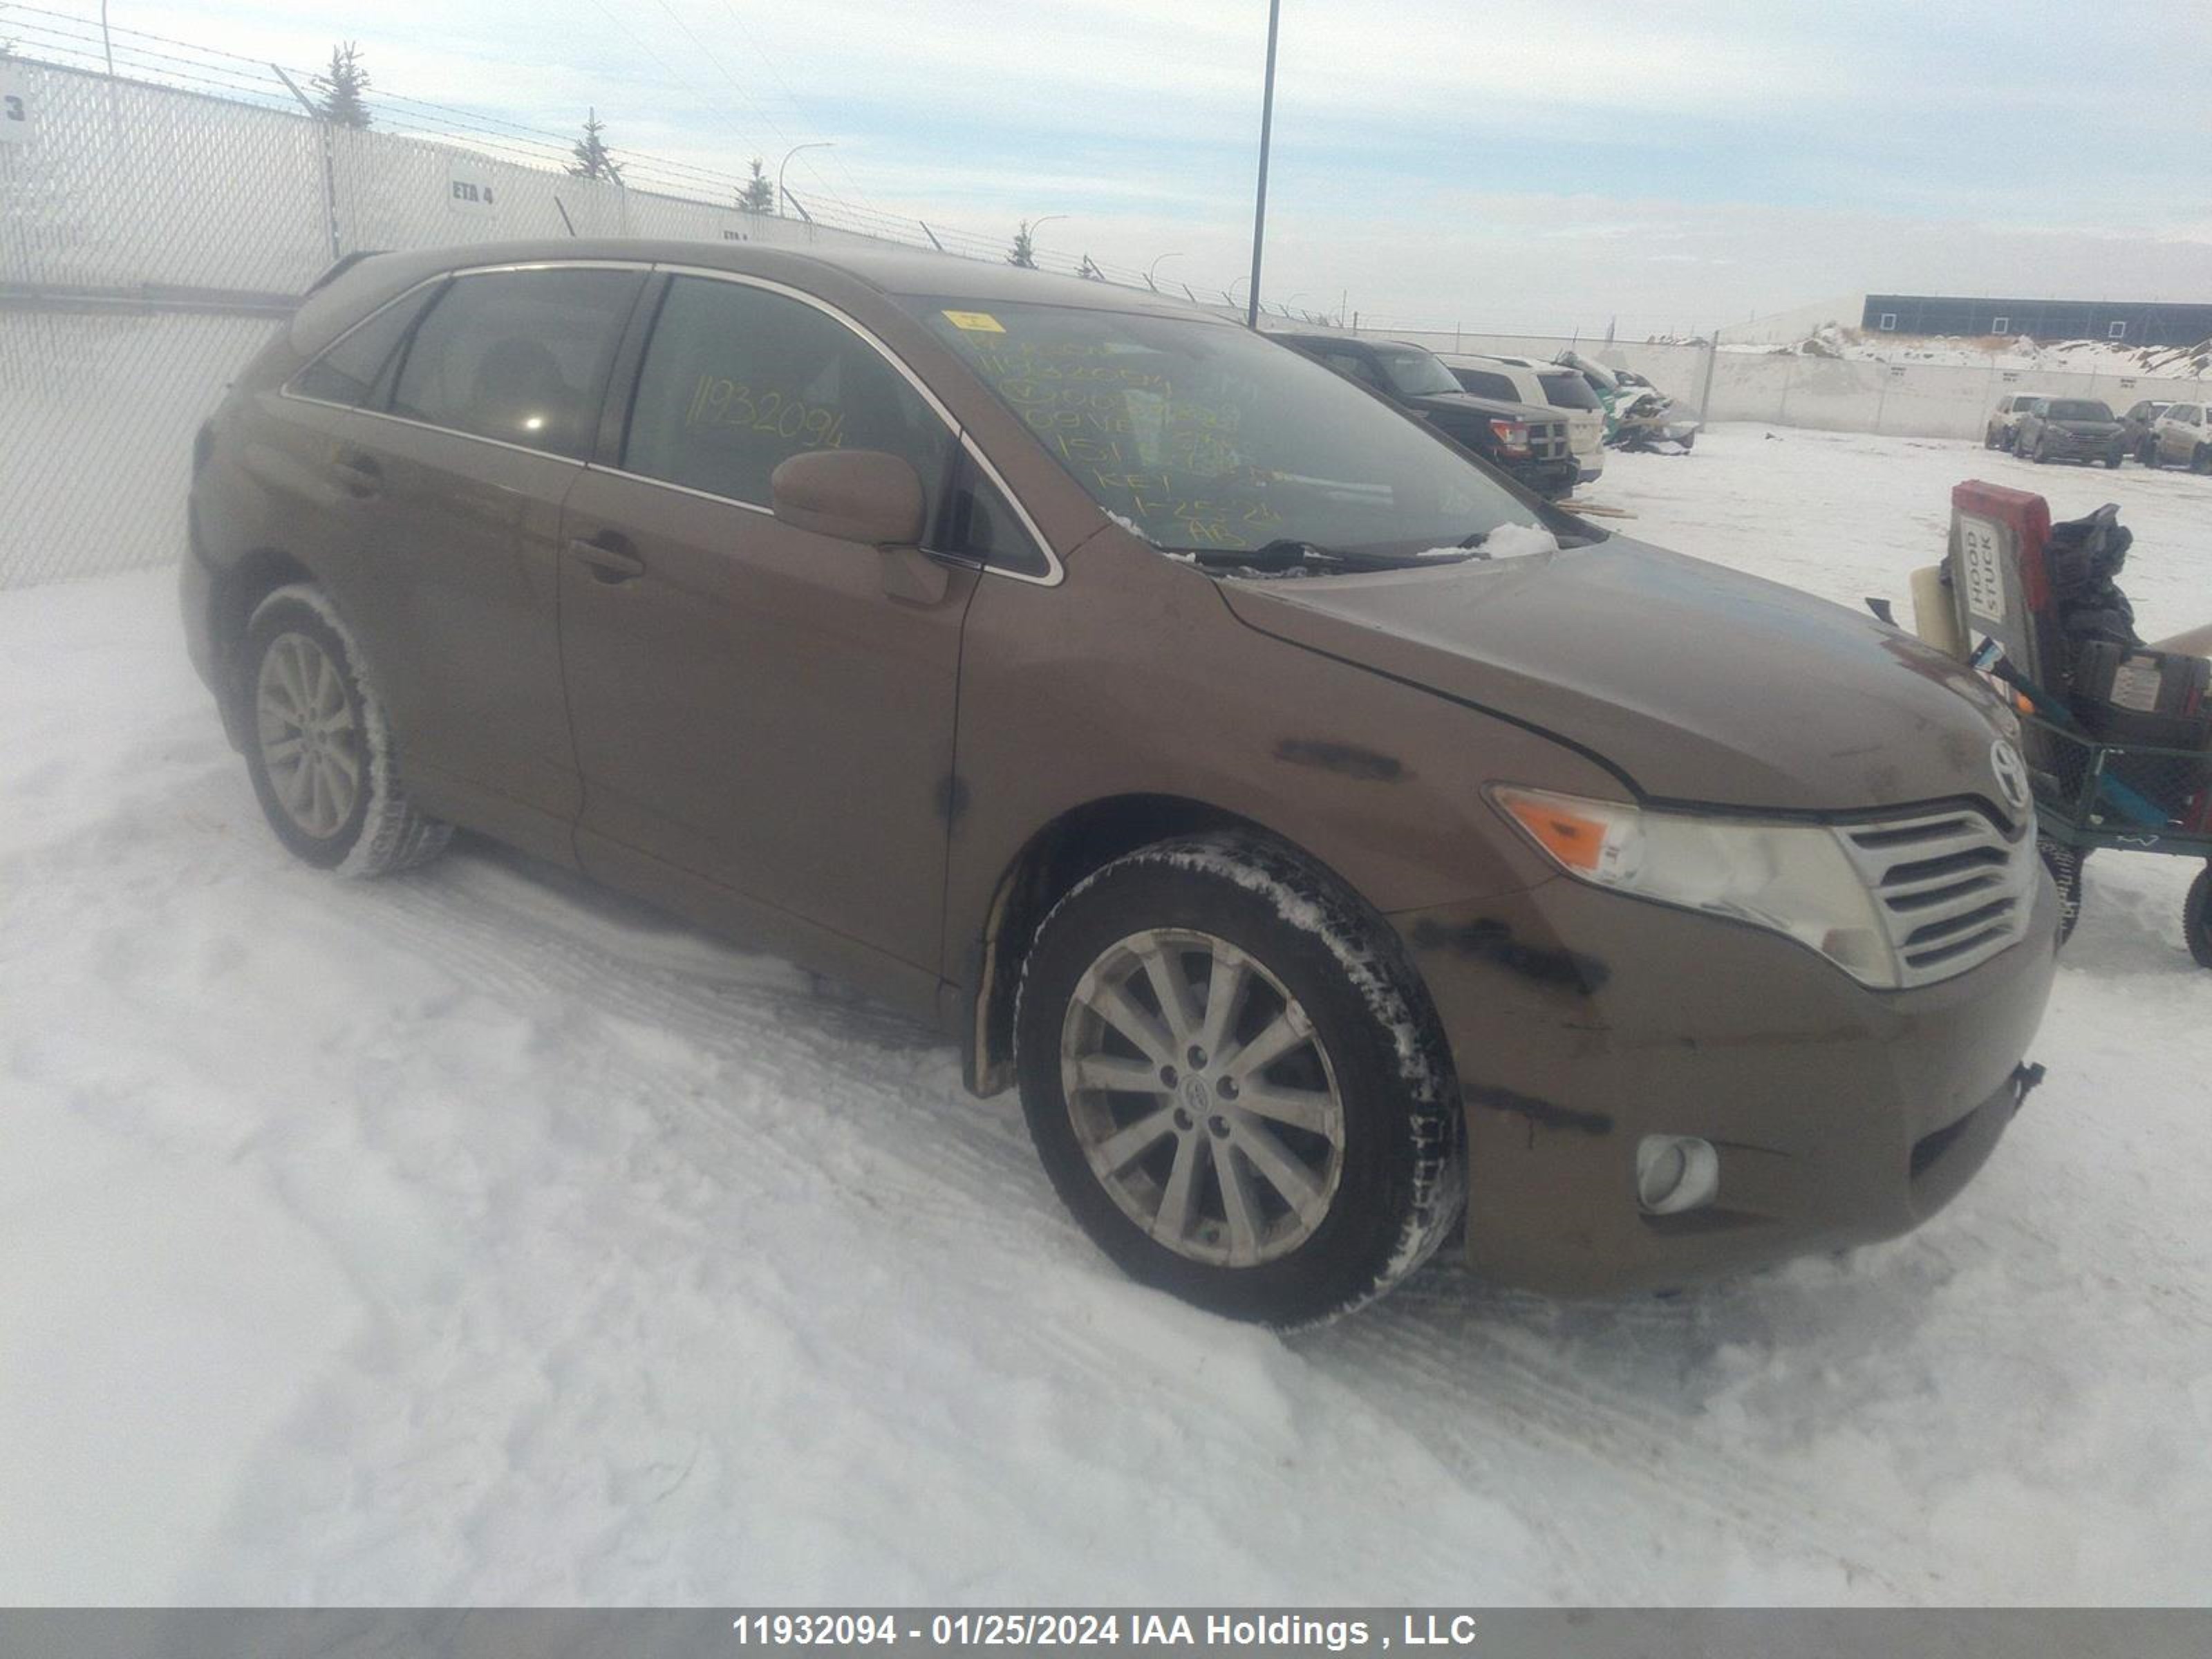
(318, 747)
(1235, 1083)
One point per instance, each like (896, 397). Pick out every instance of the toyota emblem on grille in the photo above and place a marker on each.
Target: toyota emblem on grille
(2012, 774)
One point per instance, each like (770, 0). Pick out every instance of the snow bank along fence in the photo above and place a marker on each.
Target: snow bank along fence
(1784, 388)
(152, 239)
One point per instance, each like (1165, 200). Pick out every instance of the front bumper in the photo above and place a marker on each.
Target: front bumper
(1581, 1021)
(2068, 447)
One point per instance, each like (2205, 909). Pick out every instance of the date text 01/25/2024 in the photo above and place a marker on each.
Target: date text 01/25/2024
(1169, 1632)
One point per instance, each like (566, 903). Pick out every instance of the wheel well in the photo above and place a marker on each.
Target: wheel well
(1057, 857)
(237, 592)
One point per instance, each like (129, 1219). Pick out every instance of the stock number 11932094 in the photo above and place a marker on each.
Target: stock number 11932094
(720, 401)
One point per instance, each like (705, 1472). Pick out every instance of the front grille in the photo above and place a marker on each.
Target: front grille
(1953, 886)
(1548, 441)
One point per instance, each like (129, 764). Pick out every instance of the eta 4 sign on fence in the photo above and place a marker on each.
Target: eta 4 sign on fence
(469, 188)
(14, 105)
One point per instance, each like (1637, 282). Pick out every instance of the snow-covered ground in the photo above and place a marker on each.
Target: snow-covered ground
(472, 1236)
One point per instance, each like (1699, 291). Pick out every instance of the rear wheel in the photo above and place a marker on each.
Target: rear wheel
(2196, 917)
(1233, 1080)
(320, 750)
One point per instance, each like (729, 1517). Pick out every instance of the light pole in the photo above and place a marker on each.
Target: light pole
(1154, 267)
(1259, 204)
(781, 194)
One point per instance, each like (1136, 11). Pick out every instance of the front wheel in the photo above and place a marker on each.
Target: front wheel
(320, 749)
(2196, 917)
(1235, 1083)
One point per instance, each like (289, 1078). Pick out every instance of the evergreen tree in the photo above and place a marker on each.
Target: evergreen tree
(758, 195)
(593, 159)
(340, 89)
(1024, 253)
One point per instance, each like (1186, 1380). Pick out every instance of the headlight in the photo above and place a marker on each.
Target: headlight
(1793, 878)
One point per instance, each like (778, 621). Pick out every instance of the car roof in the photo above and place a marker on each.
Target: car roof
(894, 271)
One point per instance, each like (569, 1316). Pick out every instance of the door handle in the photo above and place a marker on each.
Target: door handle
(357, 475)
(609, 557)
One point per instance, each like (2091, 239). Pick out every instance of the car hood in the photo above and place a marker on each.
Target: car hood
(1697, 683)
(2086, 429)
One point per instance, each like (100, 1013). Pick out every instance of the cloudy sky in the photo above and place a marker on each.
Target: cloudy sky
(1510, 165)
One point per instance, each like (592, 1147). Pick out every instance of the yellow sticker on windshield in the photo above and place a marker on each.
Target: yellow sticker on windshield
(975, 322)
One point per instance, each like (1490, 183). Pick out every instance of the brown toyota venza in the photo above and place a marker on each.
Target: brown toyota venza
(1330, 839)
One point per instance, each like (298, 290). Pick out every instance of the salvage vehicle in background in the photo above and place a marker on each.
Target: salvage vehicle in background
(2068, 429)
(1528, 442)
(2004, 420)
(1637, 414)
(1523, 380)
(2136, 424)
(2182, 436)
(1296, 812)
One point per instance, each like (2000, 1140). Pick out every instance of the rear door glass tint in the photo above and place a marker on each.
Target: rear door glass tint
(519, 355)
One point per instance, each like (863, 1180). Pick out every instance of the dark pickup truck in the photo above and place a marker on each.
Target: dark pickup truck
(1528, 442)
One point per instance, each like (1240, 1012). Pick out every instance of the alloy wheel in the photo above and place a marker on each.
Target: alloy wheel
(310, 742)
(1202, 1098)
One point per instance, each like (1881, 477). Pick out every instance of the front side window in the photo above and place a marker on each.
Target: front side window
(737, 380)
(519, 355)
(349, 372)
(1204, 436)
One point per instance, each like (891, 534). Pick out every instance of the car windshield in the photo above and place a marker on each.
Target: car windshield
(2078, 409)
(1415, 373)
(1202, 435)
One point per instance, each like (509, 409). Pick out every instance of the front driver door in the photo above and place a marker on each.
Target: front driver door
(753, 706)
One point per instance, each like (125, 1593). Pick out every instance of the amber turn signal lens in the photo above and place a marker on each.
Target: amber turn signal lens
(1574, 839)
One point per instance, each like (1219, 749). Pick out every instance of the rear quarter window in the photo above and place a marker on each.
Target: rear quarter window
(349, 372)
(1565, 390)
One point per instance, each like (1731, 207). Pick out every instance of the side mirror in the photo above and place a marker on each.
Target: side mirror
(855, 495)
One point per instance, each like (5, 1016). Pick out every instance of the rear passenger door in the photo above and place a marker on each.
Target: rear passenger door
(489, 415)
(763, 716)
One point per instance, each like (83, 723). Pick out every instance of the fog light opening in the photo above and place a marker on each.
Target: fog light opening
(1674, 1173)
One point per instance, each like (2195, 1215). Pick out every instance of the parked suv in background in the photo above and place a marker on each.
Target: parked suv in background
(2004, 420)
(931, 624)
(2135, 425)
(2183, 437)
(1527, 441)
(2068, 429)
(1521, 380)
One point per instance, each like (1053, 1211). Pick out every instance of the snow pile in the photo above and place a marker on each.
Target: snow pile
(1518, 541)
(2017, 353)
(471, 1237)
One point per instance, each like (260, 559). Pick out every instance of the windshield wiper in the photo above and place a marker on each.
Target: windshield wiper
(1288, 552)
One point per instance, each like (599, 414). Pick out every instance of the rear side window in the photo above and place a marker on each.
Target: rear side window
(349, 371)
(1484, 384)
(737, 380)
(1568, 392)
(519, 355)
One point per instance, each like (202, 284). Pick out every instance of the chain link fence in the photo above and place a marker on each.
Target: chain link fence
(154, 237)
